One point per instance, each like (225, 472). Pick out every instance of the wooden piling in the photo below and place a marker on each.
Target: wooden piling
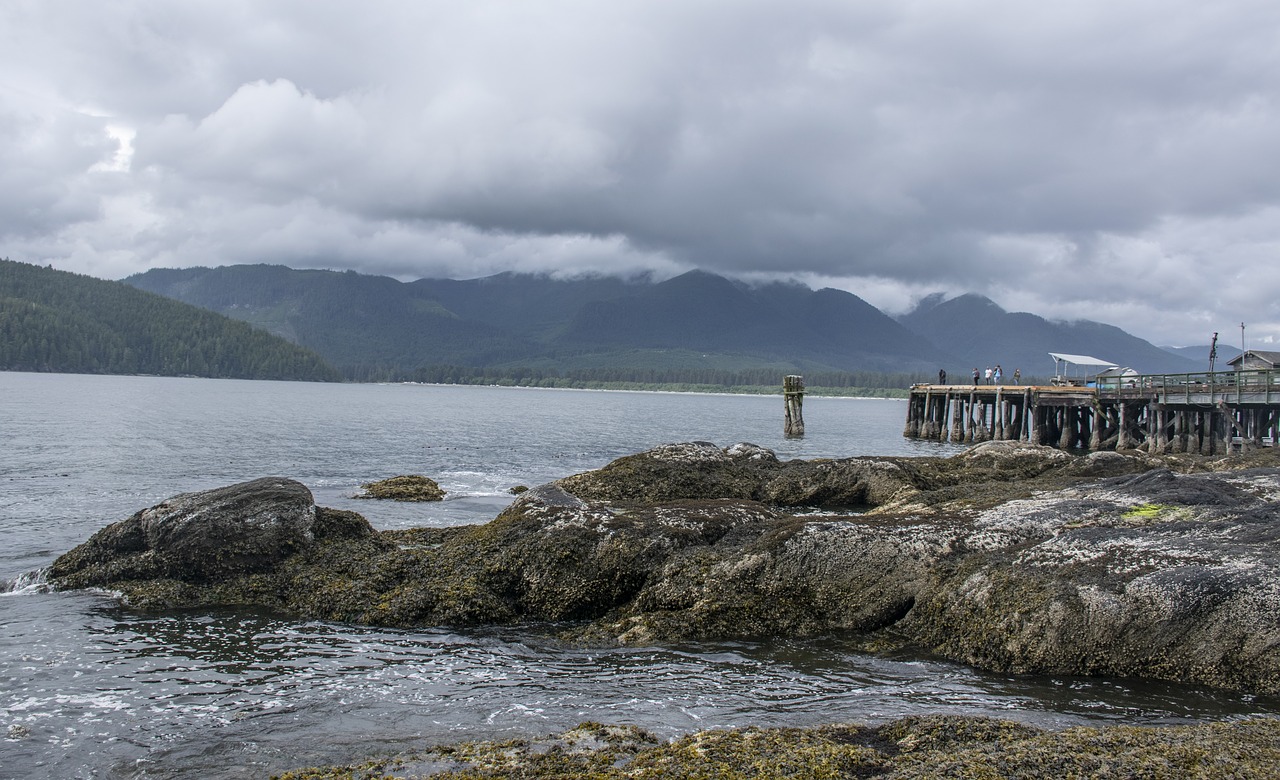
(957, 419)
(793, 398)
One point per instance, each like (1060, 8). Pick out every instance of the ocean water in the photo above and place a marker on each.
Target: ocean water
(91, 689)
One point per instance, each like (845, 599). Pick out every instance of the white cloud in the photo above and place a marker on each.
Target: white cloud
(1088, 159)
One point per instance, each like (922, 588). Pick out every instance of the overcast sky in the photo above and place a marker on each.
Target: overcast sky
(1116, 161)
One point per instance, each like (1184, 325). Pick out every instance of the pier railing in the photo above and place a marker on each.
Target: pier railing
(1253, 386)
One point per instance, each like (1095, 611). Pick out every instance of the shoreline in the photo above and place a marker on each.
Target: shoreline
(1007, 557)
(818, 391)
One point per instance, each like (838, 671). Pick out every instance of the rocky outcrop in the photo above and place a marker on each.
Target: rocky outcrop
(207, 537)
(915, 748)
(1009, 557)
(409, 487)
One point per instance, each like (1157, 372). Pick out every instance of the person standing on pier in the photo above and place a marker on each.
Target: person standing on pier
(942, 376)
(975, 376)
(986, 375)
(1017, 376)
(995, 375)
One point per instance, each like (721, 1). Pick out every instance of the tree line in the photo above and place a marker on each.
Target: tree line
(63, 322)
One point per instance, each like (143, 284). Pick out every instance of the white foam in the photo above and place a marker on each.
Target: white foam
(25, 584)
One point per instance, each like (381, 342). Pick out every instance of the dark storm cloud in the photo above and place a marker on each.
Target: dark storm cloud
(1109, 160)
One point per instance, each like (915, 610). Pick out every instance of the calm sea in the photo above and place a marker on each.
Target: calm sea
(89, 689)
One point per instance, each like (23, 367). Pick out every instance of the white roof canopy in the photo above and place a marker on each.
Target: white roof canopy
(1081, 360)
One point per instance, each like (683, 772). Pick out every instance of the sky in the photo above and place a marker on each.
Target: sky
(1116, 161)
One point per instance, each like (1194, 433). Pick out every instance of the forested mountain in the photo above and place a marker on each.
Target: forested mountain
(697, 325)
(980, 333)
(57, 321)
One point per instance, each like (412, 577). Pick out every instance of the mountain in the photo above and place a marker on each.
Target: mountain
(373, 327)
(824, 329)
(538, 306)
(980, 333)
(369, 326)
(62, 322)
(1200, 355)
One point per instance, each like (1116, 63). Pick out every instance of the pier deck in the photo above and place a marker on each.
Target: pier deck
(1208, 413)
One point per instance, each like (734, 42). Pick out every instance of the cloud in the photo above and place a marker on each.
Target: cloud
(1092, 159)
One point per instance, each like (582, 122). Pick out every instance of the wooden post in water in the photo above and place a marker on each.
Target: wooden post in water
(1095, 431)
(1160, 444)
(913, 416)
(1124, 442)
(969, 422)
(1067, 432)
(793, 397)
(997, 415)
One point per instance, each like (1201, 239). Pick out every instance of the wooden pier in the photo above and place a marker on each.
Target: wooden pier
(1209, 413)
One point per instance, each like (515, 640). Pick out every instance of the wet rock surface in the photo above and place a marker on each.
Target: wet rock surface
(1008, 557)
(907, 749)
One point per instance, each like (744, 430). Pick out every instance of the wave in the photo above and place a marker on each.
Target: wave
(31, 582)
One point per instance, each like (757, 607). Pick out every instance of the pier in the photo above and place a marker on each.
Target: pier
(1206, 413)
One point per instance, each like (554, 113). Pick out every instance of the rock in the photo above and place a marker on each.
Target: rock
(1008, 557)
(1160, 575)
(1011, 455)
(410, 487)
(914, 748)
(986, 473)
(204, 537)
(751, 452)
(672, 472)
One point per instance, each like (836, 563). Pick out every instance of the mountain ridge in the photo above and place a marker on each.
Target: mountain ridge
(378, 327)
(699, 319)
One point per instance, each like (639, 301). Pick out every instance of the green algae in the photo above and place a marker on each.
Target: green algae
(1145, 512)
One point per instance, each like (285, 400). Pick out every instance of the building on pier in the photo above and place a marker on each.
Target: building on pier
(1255, 359)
